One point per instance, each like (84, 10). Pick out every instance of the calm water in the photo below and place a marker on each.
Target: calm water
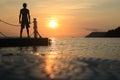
(106, 48)
(88, 47)
(65, 59)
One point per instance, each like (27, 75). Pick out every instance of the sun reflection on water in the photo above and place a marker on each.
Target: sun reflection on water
(50, 60)
(50, 63)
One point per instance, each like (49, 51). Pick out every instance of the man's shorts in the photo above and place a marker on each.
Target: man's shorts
(23, 25)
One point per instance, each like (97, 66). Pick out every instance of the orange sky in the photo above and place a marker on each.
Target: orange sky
(74, 17)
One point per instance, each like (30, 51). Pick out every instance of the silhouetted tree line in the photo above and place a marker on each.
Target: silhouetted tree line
(109, 33)
(113, 33)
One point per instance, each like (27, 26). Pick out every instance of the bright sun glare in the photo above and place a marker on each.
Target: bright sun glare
(52, 24)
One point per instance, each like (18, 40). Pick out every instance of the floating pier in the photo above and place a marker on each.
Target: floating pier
(18, 42)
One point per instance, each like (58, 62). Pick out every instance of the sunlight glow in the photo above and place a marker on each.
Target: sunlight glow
(50, 62)
(52, 24)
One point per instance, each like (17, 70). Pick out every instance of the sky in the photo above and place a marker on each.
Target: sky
(74, 18)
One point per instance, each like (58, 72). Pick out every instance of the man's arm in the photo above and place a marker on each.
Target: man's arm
(20, 17)
(29, 16)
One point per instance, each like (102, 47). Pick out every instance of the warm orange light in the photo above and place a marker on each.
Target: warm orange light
(52, 24)
(50, 63)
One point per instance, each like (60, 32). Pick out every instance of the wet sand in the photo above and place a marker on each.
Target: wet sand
(56, 67)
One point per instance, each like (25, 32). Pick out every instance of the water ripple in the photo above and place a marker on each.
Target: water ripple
(57, 67)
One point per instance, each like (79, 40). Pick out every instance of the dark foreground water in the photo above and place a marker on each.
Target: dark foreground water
(65, 59)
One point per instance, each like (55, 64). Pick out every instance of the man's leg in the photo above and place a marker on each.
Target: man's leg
(28, 32)
(21, 30)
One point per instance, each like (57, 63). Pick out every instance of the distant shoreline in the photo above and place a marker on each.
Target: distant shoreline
(115, 33)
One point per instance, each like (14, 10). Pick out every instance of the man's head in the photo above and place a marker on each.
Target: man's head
(34, 19)
(24, 5)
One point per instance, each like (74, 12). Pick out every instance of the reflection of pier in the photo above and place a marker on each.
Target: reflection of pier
(10, 42)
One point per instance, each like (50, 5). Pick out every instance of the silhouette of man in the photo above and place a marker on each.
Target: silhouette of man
(24, 19)
(36, 34)
(35, 27)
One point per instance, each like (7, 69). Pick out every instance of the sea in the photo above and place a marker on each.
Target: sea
(65, 59)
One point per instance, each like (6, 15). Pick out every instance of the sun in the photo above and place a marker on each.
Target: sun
(52, 24)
